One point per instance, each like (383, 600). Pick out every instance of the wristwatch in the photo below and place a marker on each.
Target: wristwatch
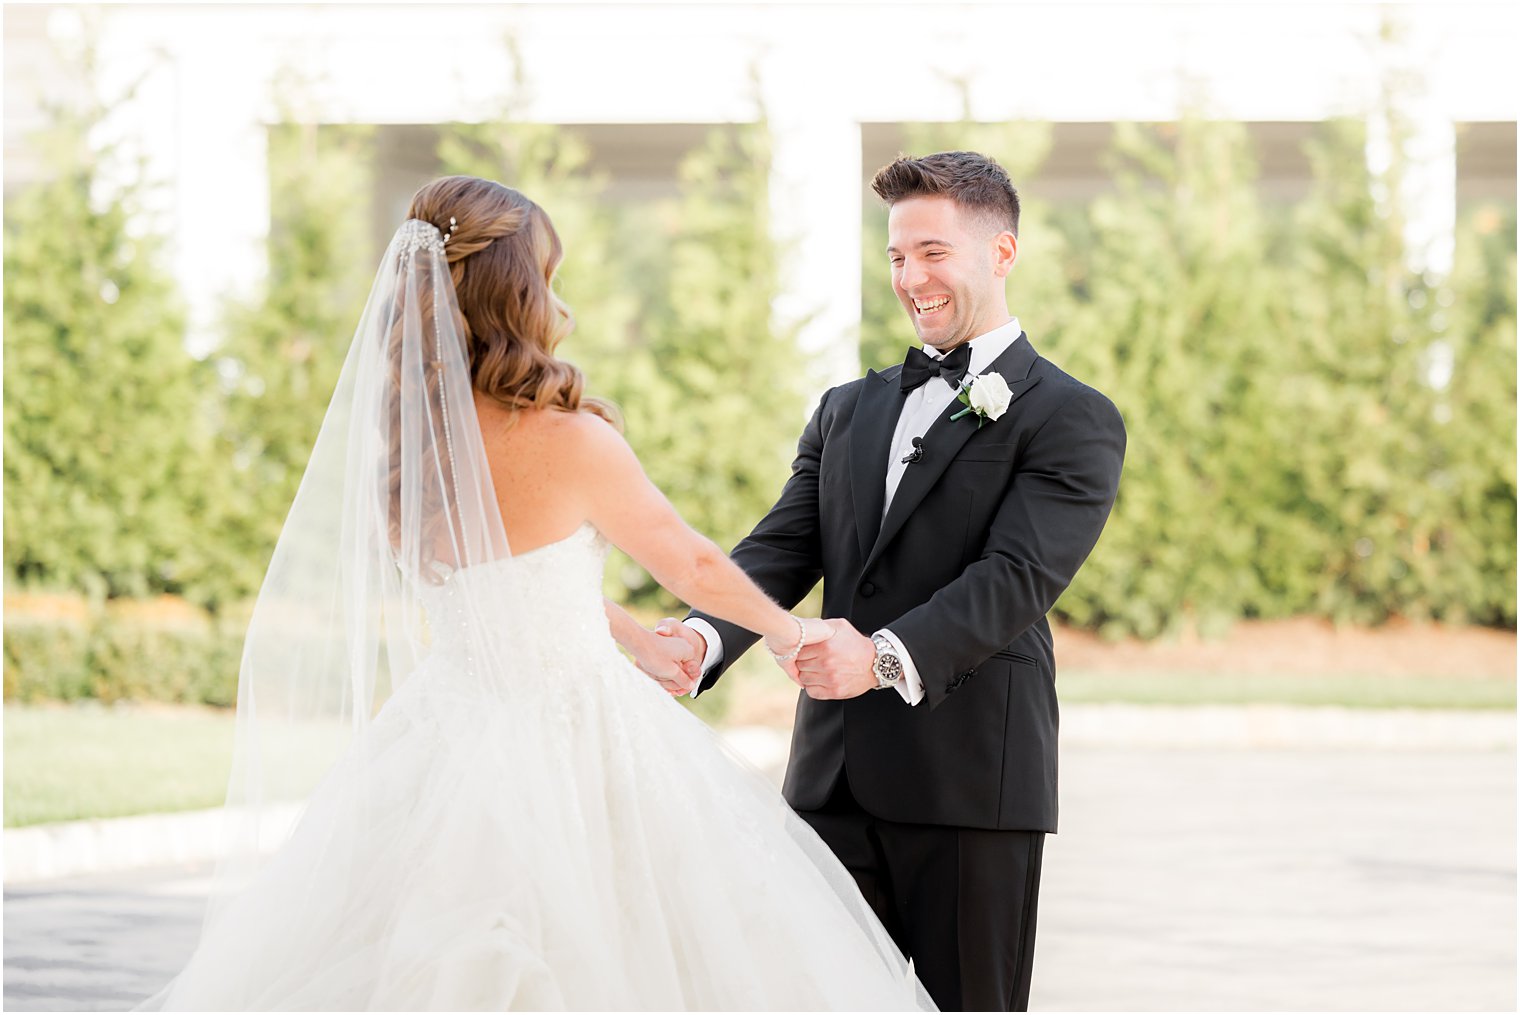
(887, 667)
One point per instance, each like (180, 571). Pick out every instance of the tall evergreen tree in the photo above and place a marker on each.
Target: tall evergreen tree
(1473, 425)
(283, 350)
(720, 399)
(102, 440)
(1175, 328)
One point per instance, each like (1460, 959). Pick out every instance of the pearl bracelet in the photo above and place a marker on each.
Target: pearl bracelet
(801, 637)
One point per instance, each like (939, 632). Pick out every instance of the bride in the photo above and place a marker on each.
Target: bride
(497, 810)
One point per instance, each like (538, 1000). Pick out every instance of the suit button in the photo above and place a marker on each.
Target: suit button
(867, 589)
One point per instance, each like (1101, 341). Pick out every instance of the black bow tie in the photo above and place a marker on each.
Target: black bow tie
(920, 366)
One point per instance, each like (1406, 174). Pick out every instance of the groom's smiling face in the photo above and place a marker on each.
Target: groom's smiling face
(948, 266)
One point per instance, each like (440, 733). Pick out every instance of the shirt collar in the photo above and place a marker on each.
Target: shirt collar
(985, 349)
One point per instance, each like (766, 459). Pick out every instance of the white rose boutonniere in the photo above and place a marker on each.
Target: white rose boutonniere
(987, 395)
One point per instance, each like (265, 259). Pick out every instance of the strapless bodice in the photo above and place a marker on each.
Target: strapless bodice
(545, 603)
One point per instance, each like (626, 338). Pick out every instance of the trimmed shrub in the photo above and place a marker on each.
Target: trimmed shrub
(164, 651)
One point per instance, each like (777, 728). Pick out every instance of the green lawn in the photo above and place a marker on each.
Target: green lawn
(1348, 690)
(86, 760)
(93, 761)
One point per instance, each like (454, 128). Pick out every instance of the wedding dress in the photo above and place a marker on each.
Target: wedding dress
(518, 819)
(597, 850)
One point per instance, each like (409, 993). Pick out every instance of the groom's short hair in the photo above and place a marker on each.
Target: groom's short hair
(970, 179)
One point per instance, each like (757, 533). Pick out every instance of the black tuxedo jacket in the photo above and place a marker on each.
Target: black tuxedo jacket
(984, 533)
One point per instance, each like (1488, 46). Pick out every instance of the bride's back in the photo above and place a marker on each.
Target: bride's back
(531, 456)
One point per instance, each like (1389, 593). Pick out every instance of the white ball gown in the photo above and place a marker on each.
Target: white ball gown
(579, 841)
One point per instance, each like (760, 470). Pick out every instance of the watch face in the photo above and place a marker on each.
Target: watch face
(888, 667)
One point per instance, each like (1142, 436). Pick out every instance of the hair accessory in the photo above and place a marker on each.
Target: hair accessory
(415, 235)
(452, 224)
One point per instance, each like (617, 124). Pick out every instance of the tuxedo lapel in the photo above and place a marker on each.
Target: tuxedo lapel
(943, 442)
(875, 420)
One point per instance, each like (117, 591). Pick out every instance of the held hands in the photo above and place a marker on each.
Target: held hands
(839, 666)
(673, 655)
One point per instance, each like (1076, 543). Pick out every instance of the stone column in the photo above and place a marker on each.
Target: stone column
(221, 161)
(1409, 122)
(196, 120)
(815, 198)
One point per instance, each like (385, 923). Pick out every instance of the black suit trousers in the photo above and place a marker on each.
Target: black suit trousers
(960, 902)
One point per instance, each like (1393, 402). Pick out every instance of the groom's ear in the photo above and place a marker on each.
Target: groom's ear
(1005, 251)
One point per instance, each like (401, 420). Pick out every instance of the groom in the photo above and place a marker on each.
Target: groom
(924, 751)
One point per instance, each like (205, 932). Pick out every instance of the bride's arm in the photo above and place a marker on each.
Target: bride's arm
(629, 510)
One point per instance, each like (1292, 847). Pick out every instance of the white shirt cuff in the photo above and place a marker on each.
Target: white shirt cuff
(714, 654)
(911, 686)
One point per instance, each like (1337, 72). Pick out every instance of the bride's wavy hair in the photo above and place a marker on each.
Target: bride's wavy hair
(502, 252)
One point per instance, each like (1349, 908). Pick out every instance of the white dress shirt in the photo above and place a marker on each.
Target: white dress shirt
(925, 404)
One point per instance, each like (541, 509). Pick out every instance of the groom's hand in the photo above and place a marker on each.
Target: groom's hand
(839, 667)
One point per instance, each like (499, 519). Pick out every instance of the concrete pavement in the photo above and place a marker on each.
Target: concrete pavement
(1184, 880)
(101, 943)
(1197, 880)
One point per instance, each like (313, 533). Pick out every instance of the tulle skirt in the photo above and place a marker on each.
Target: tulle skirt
(588, 846)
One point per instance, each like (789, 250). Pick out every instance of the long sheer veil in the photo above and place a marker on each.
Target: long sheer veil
(396, 498)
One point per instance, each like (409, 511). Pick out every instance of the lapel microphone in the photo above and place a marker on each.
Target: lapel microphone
(917, 454)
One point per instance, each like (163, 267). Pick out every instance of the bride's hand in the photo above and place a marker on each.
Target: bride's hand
(811, 630)
(815, 630)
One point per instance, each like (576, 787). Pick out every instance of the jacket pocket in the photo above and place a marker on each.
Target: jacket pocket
(1015, 657)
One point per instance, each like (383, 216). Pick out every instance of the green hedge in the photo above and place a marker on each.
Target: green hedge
(110, 657)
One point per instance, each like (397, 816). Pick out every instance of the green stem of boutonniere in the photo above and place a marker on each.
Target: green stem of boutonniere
(963, 396)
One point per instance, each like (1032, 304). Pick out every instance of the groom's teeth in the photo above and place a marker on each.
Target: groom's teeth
(924, 308)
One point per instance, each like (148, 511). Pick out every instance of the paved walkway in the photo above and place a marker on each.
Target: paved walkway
(1195, 880)
(1182, 880)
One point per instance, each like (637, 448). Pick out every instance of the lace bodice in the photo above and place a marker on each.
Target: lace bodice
(552, 595)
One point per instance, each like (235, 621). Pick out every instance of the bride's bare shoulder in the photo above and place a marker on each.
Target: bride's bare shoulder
(555, 437)
(588, 440)
(549, 467)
